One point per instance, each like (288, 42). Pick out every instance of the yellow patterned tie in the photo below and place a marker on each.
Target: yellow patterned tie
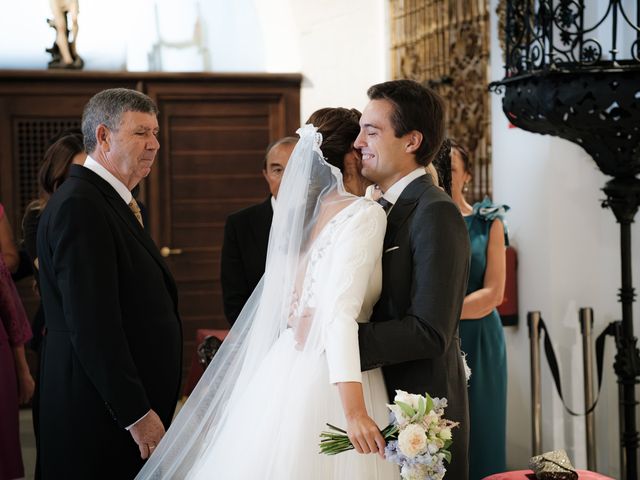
(133, 205)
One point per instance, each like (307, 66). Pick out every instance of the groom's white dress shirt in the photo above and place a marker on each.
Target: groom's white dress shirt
(394, 192)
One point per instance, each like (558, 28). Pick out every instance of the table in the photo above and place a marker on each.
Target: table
(196, 369)
(529, 475)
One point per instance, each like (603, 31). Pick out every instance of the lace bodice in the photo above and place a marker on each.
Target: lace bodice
(342, 282)
(350, 219)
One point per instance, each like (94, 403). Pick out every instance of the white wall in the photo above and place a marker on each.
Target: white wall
(343, 51)
(568, 249)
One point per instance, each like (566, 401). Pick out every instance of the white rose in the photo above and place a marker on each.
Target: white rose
(408, 398)
(412, 440)
(414, 401)
(401, 418)
(402, 396)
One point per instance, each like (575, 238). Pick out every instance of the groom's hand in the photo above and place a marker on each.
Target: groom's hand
(365, 434)
(147, 433)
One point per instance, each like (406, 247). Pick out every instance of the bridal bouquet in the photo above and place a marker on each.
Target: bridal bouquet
(417, 439)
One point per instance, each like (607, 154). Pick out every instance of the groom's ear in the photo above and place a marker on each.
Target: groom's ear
(414, 140)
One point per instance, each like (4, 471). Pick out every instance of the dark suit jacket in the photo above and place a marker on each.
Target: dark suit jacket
(244, 254)
(413, 333)
(113, 344)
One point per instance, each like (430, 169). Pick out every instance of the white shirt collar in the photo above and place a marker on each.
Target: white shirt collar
(397, 188)
(273, 203)
(106, 175)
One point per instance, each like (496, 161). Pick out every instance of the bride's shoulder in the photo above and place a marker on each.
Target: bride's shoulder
(371, 208)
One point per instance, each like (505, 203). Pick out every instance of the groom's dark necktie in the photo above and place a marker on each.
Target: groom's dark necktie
(386, 204)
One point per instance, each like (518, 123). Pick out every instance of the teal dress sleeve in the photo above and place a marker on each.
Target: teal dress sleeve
(489, 211)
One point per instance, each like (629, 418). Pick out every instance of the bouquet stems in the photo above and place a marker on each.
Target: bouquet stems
(336, 440)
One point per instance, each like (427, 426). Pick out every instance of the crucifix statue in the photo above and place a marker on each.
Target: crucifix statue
(65, 22)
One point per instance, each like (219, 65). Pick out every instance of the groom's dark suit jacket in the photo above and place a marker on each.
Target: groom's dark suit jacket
(244, 255)
(413, 333)
(113, 343)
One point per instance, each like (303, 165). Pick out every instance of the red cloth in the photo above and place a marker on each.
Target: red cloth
(529, 475)
(14, 330)
(14, 323)
(10, 452)
(508, 309)
(196, 369)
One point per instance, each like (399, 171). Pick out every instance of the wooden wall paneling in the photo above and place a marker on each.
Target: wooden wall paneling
(33, 108)
(36, 106)
(6, 159)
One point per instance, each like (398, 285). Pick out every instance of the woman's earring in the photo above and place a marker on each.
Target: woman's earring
(465, 187)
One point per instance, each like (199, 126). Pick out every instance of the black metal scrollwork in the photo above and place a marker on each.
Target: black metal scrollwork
(561, 80)
(544, 34)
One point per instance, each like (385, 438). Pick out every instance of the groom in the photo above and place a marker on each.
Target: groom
(413, 333)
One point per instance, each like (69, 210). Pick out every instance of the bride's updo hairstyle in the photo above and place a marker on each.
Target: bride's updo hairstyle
(339, 128)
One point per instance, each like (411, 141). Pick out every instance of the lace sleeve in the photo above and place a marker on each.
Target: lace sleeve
(358, 254)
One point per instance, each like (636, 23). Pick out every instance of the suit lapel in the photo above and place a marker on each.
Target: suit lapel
(397, 217)
(128, 218)
(126, 215)
(404, 207)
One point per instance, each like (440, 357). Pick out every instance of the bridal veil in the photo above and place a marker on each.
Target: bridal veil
(290, 300)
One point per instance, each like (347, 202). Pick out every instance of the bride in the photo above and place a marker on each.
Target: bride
(291, 363)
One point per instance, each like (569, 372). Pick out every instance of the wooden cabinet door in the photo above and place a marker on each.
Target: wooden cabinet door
(209, 165)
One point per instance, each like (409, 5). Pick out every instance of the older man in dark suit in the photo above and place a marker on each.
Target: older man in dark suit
(246, 235)
(413, 333)
(111, 355)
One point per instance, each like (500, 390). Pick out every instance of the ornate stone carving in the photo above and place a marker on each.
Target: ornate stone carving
(446, 45)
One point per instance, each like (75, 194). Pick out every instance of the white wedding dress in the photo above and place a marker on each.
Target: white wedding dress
(258, 411)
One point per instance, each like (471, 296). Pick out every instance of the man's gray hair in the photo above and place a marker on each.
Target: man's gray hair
(277, 143)
(107, 107)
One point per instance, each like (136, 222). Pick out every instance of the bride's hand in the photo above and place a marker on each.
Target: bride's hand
(299, 322)
(365, 434)
(376, 193)
(301, 326)
(292, 319)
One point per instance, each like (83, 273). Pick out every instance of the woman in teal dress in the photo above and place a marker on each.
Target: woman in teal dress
(481, 331)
